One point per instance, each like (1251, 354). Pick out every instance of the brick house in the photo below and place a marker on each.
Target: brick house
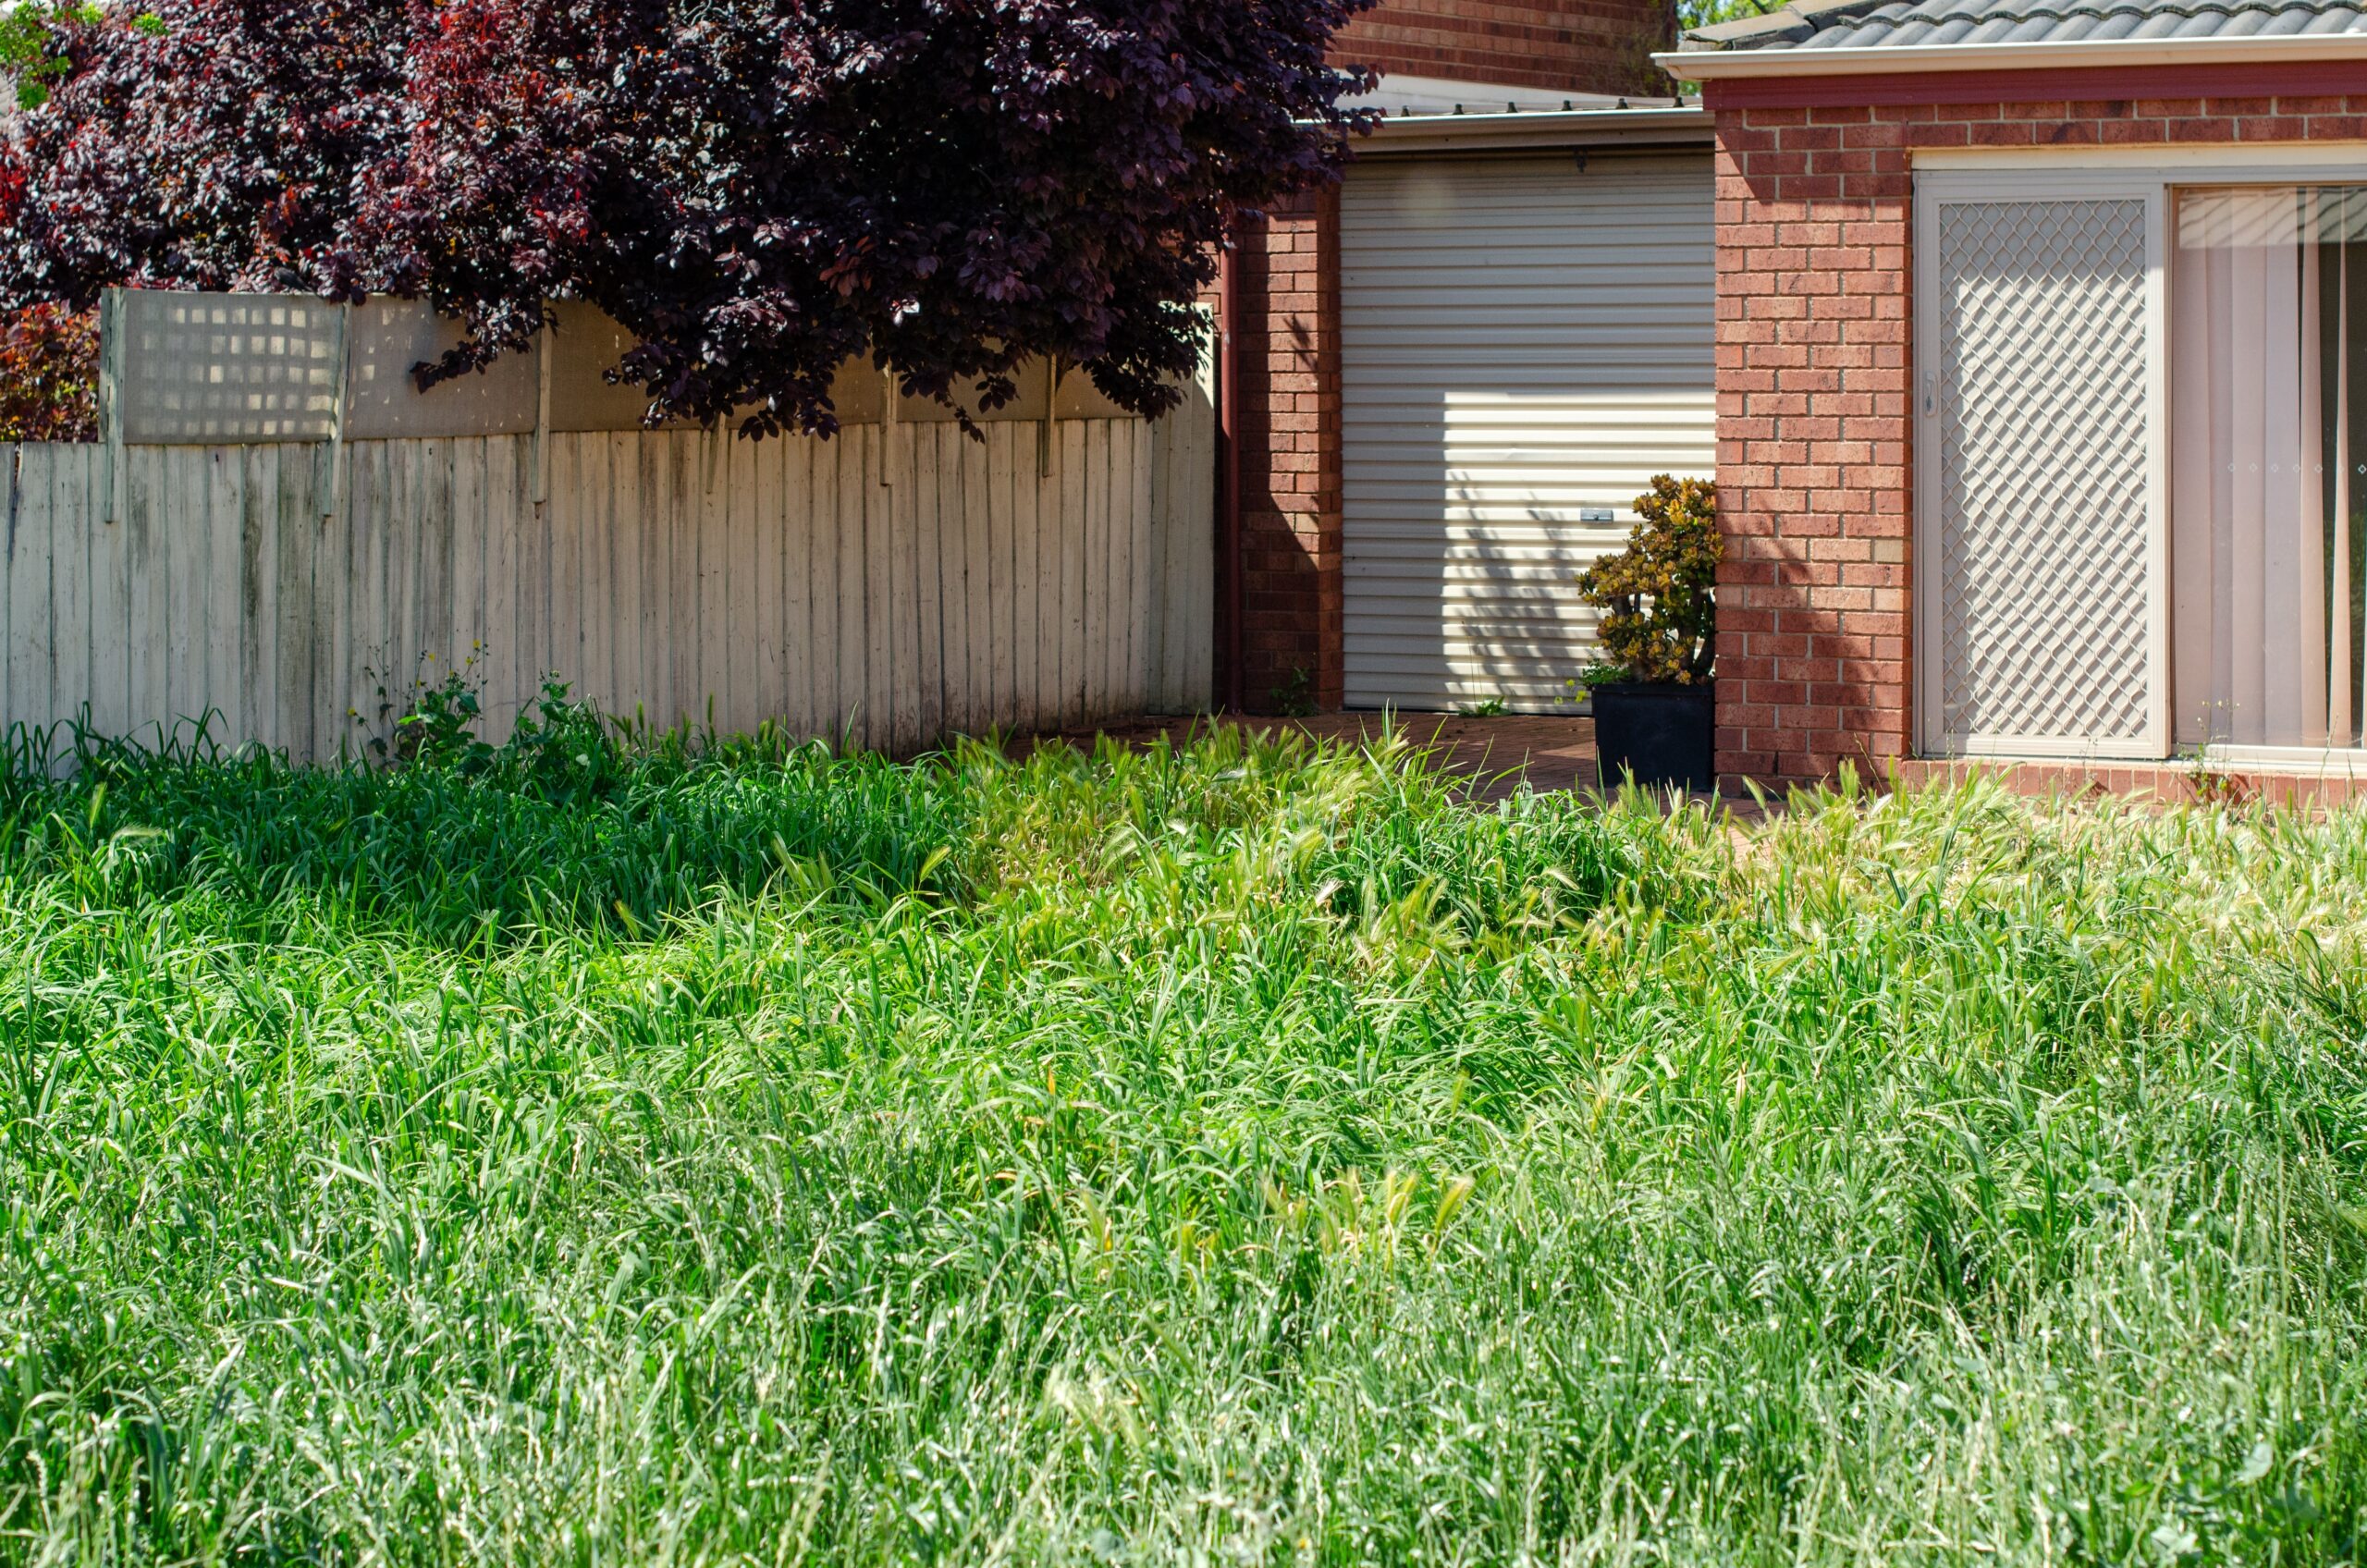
(2042, 386)
(1550, 46)
(1490, 103)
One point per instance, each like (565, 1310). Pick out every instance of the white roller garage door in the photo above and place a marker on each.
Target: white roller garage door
(1525, 342)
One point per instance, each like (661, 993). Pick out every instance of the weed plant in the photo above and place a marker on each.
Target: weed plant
(579, 1153)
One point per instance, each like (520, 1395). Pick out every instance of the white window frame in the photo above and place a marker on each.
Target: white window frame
(2155, 174)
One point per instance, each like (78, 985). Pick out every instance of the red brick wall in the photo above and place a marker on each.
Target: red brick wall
(1565, 45)
(1815, 366)
(1287, 332)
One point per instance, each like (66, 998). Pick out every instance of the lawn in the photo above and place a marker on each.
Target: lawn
(1237, 1153)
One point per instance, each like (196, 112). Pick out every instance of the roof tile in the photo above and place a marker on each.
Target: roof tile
(1860, 24)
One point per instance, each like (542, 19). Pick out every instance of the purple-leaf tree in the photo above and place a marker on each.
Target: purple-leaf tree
(758, 190)
(205, 144)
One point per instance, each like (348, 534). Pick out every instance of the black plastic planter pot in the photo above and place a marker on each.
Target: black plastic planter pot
(1660, 733)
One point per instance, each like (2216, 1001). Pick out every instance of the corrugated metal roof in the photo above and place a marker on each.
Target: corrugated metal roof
(1860, 24)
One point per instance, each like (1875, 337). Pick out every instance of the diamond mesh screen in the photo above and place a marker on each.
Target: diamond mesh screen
(2044, 615)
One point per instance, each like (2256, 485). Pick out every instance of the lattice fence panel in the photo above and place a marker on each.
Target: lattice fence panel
(201, 368)
(2043, 613)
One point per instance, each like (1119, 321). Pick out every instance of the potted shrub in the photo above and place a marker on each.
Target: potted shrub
(1653, 715)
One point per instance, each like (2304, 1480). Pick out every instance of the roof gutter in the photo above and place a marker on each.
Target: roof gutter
(1742, 64)
(1430, 134)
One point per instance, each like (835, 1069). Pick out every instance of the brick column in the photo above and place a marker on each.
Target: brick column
(1288, 303)
(1814, 476)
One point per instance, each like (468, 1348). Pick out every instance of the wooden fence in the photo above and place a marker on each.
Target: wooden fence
(891, 586)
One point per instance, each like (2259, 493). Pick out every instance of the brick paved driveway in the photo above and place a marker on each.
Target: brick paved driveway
(1497, 753)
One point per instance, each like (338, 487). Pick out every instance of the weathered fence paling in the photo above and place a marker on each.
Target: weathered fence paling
(893, 585)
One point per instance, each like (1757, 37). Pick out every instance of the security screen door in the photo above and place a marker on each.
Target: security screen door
(2042, 523)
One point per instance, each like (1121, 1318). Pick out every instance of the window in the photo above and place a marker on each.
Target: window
(2268, 466)
(2141, 471)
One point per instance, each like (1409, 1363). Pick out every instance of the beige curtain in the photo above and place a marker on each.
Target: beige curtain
(2269, 581)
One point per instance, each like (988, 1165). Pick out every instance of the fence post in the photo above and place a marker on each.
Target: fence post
(1046, 446)
(328, 472)
(543, 415)
(113, 477)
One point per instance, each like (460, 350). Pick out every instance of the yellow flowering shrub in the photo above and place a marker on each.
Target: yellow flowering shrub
(1658, 596)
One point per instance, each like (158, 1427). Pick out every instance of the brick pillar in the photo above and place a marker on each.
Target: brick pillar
(1288, 303)
(1814, 471)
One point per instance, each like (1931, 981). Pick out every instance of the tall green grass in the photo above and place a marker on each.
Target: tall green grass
(1239, 1151)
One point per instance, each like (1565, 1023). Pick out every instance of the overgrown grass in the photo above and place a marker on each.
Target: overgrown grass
(1241, 1152)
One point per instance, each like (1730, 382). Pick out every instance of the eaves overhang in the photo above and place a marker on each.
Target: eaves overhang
(1571, 130)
